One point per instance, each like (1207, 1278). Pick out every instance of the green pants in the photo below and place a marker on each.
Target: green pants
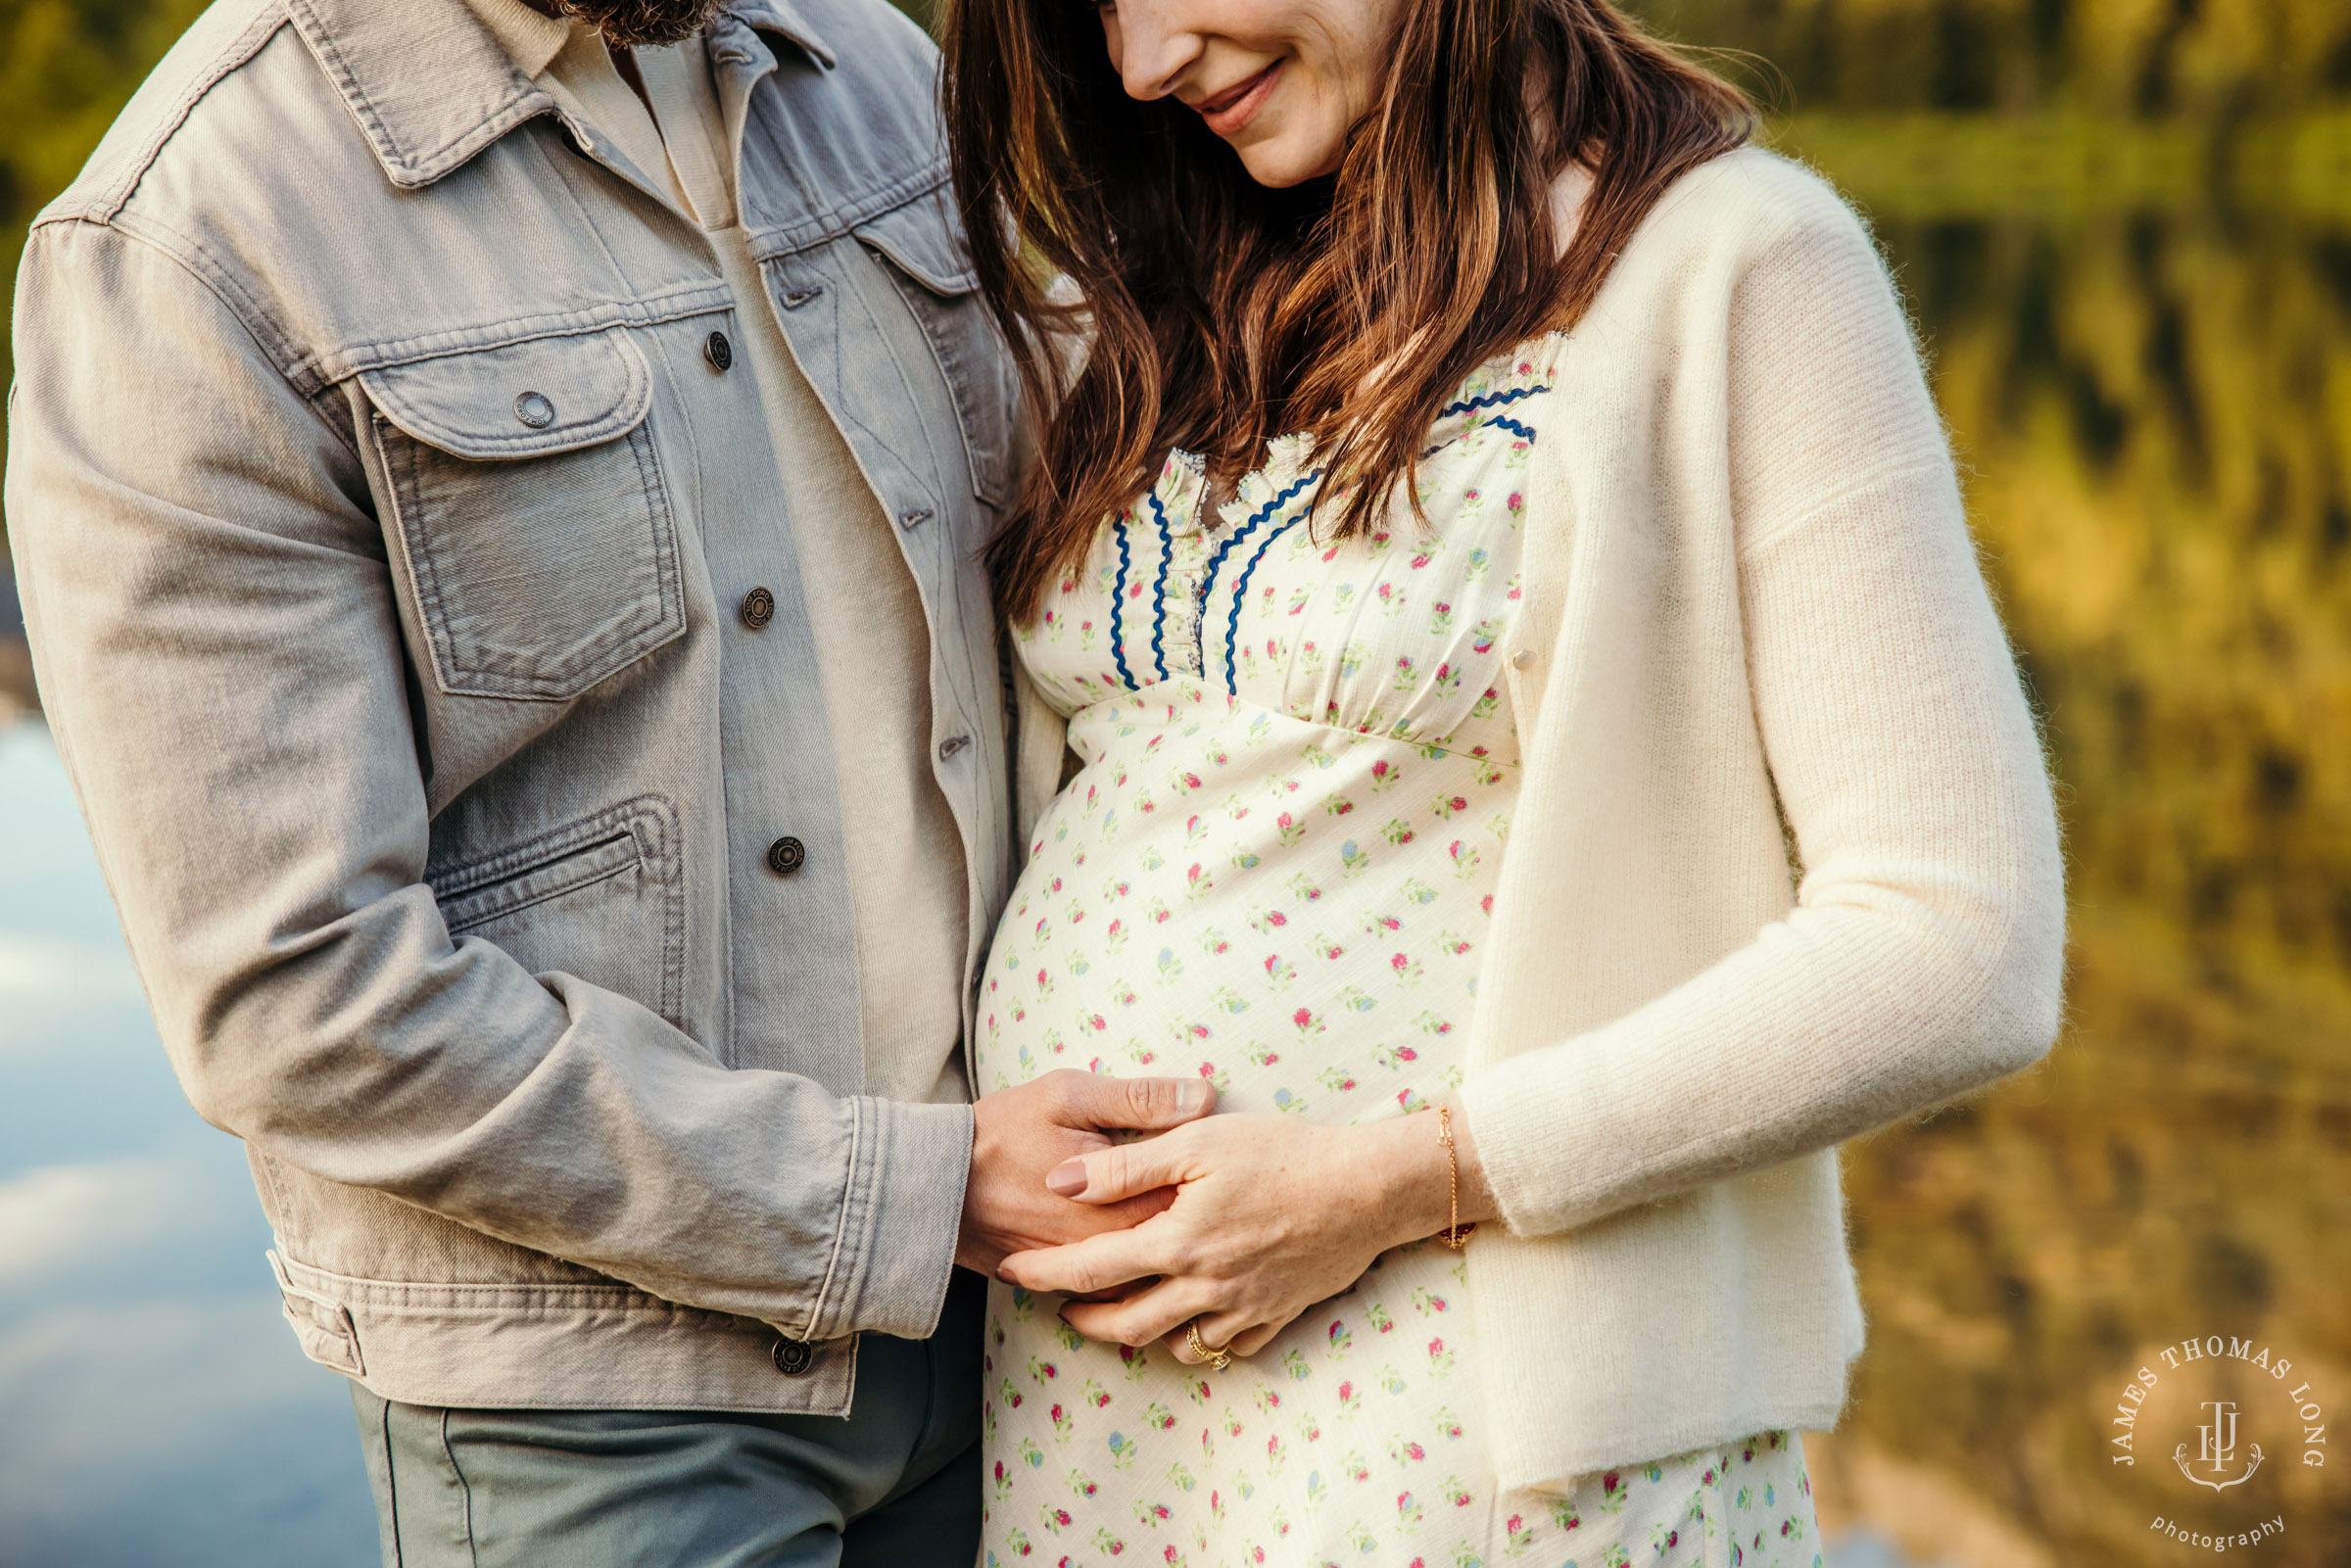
(896, 1485)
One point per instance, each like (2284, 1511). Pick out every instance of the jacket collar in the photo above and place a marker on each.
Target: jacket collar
(430, 86)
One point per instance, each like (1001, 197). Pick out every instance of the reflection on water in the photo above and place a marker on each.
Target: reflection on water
(156, 1409)
(2157, 413)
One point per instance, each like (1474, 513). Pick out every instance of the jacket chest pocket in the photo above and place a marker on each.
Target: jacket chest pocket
(920, 247)
(530, 506)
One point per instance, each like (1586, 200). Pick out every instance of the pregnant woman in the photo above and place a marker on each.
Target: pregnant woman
(1508, 696)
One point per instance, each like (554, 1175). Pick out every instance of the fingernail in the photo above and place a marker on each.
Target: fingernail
(1192, 1098)
(1067, 1179)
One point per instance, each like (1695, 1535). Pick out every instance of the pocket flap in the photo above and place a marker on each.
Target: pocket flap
(924, 238)
(524, 399)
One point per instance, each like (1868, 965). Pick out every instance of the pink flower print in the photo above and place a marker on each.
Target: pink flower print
(1400, 962)
(1095, 1021)
(1275, 917)
(1306, 1020)
(1414, 1450)
(1193, 876)
(1462, 1498)
(1334, 950)
(1515, 501)
(1418, 561)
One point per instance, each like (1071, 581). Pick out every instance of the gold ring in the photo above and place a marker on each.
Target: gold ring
(1219, 1358)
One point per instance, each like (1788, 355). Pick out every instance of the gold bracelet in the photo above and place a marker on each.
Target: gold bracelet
(1454, 1235)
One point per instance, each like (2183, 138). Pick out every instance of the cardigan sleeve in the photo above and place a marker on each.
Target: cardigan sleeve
(1924, 955)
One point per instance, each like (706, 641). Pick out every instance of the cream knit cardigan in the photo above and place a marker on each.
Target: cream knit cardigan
(1751, 599)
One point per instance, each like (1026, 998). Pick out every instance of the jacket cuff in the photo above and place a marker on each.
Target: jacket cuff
(900, 1215)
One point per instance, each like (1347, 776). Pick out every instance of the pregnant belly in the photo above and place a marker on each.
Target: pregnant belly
(1296, 913)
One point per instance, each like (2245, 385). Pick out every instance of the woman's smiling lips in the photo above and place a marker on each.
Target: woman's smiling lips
(1229, 111)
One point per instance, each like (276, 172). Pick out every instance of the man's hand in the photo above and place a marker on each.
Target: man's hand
(1019, 1134)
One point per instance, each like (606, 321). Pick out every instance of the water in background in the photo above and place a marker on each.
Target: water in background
(157, 1415)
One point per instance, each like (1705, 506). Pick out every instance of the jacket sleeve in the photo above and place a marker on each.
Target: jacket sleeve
(1923, 958)
(213, 630)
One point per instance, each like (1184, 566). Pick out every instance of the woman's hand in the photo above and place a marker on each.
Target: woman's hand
(1271, 1215)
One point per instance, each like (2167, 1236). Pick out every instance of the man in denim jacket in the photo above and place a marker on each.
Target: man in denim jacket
(494, 492)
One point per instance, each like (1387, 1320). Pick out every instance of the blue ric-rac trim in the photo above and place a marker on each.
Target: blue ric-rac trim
(1491, 400)
(1240, 592)
(1159, 586)
(1208, 579)
(1117, 611)
(1514, 427)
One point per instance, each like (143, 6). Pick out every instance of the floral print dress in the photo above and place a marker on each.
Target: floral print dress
(1275, 869)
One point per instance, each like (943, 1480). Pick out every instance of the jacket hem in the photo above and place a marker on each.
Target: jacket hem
(552, 1347)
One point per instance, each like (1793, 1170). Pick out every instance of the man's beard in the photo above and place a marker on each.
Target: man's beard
(629, 24)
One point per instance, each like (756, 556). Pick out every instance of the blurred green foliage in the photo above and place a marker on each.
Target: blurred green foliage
(2140, 58)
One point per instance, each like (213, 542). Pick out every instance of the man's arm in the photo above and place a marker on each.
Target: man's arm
(213, 621)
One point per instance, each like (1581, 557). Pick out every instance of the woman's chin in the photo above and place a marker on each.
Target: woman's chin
(1281, 161)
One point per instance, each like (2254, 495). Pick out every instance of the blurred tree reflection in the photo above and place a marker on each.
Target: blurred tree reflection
(2157, 413)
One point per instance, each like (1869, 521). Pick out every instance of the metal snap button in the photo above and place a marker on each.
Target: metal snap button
(785, 856)
(915, 518)
(796, 298)
(792, 1356)
(532, 410)
(718, 350)
(758, 608)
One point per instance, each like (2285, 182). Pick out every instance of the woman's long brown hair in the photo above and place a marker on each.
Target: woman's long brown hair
(1223, 313)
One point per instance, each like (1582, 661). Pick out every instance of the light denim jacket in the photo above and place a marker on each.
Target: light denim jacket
(382, 524)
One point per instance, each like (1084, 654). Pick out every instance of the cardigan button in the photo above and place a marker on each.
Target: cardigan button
(1522, 659)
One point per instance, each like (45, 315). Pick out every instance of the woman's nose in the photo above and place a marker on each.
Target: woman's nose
(1149, 47)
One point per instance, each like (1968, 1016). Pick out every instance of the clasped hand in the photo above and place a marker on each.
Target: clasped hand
(1269, 1216)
